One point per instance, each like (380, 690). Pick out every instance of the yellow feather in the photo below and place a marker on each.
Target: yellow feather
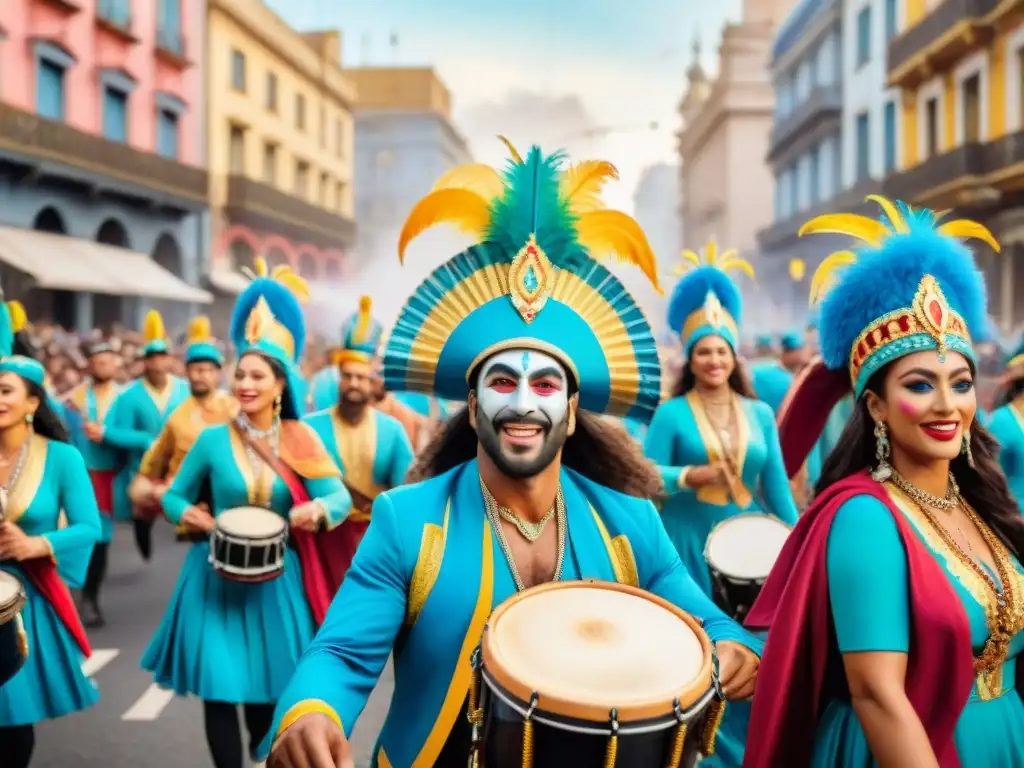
(476, 177)
(153, 327)
(711, 252)
(580, 185)
(199, 329)
(964, 228)
(466, 210)
(19, 319)
(261, 266)
(738, 264)
(871, 231)
(613, 233)
(363, 321)
(511, 150)
(691, 256)
(892, 213)
(825, 276)
(297, 285)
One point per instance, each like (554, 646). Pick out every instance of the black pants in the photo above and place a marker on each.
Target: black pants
(224, 735)
(96, 573)
(17, 743)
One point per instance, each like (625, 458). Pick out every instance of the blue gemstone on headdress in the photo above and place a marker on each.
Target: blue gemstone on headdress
(530, 279)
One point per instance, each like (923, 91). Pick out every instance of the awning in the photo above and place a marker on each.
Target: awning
(229, 281)
(73, 264)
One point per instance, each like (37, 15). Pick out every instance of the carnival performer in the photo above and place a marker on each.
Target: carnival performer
(207, 405)
(371, 448)
(42, 476)
(324, 386)
(87, 413)
(137, 418)
(226, 642)
(895, 611)
(527, 484)
(1006, 422)
(416, 427)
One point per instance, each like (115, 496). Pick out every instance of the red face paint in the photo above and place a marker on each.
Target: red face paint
(907, 409)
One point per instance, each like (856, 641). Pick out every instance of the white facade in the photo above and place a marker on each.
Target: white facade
(656, 209)
(864, 90)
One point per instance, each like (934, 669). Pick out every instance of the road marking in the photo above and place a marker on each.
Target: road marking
(99, 659)
(150, 704)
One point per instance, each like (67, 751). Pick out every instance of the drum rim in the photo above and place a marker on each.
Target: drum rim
(13, 606)
(727, 521)
(596, 713)
(264, 537)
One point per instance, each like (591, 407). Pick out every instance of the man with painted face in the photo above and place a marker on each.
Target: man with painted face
(527, 484)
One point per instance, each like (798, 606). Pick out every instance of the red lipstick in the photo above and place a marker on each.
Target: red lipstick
(943, 431)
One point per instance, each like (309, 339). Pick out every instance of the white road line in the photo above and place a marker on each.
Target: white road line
(150, 705)
(99, 659)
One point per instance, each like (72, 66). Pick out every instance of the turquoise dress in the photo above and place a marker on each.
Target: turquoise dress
(681, 436)
(135, 420)
(222, 640)
(51, 684)
(323, 389)
(425, 405)
(1007, 426)
(869, 595)
(771, 383)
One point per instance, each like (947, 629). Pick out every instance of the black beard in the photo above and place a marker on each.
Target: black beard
(510, 465)
(353, 397)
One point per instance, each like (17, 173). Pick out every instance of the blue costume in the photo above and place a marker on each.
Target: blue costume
(431, 569)
(323, 388)
(1006, 424)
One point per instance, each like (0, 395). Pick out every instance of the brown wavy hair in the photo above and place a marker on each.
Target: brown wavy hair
(739, 380)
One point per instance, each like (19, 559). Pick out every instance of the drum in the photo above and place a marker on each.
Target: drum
(740, 553)
(248, 544)
(592, 674)
(13, 640)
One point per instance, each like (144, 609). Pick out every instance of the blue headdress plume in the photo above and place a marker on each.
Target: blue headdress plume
(791, 341)
(27, 367)
(6, 331)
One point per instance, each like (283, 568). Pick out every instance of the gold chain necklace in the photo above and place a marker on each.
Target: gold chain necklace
(946, 503)
(491, 507)
(530, 531)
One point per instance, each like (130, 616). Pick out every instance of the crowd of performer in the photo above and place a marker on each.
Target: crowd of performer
(576, 546)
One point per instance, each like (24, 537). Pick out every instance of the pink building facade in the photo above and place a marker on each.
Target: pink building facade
(103, 101)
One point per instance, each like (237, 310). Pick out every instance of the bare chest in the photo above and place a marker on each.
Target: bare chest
(534, 561)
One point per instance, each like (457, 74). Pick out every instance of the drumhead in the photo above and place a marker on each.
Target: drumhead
(10, 590)
(250, 523)
(746, 546)
(587, 647)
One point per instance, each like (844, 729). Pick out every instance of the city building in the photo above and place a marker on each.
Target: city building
(959, 70)
(405, 140)
(656, 204)
(102, 179)
(727, 188)
(280, 137)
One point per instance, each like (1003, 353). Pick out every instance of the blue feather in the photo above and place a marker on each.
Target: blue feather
(791, 341)
(6, 331)
(690, 292)
(283, 305)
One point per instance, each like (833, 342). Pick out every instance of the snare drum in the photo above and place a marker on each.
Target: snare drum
(591, 674)
(740, 553)
(13, 640)
(248, 544)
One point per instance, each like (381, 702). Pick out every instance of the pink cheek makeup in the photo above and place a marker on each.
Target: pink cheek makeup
(908, 409)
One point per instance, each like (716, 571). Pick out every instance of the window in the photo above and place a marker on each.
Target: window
(300, 111)
(794, 190)
(50, 90)
(339, 134)
(238, 70)
(815, 171)
(1020, 83)
(236, 150)
(115, 114)
(890, 19)
(863, 157)
(971, 88)
(931, 127)
(339, 195)
(117, 12)
(302, 179)
(890, 136)
(863, 36)
(167, 133)
(325, 186)
(323, 126)
(270, 163)
(271, 92)
(168, 26)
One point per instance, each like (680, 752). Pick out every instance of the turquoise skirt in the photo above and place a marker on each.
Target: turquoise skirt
(51, 684)
(226, 641)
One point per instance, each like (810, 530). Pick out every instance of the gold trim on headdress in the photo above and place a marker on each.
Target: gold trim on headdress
(711, 313)
(263, 326)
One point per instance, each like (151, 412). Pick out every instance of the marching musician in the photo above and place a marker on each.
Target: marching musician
(205, 406)
(87, 412)
(715, 444)
(895, 612)
(138, 416)
(525, 485)
(371, 448)
(41, 475)
(226, 642)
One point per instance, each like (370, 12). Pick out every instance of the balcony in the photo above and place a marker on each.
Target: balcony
(943, 181)
(851, 200)
(261, 206)
(944, 36)
(53, 149)
(171, 48)
(820, 113)
(115, 16)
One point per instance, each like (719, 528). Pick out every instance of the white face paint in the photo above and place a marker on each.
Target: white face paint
(523, 383)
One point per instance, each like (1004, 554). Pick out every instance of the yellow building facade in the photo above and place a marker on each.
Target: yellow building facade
(960, 71)
(280, 144)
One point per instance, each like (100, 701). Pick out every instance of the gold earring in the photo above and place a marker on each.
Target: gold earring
(965, 448)
(883, 471)
(277, 407)
(29, 418)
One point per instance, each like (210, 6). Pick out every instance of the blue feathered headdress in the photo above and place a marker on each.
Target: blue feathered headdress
(914, 286)
(27, 367)
(361, 335)
(791, 341)
(706, 301)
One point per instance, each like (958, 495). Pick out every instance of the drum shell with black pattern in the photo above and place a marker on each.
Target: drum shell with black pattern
(248, 545)
(13, 642)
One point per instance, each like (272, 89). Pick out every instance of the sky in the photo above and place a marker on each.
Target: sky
(587, 76)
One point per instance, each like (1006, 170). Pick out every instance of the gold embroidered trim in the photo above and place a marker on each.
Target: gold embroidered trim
(619, 552)
(24, 491)
(718, 495)
(428, 566)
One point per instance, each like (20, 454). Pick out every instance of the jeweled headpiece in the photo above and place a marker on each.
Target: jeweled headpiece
(361, 336)
(532, 281)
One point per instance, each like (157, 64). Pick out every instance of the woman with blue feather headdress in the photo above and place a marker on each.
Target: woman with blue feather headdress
(715, 444)
(226, 642)
(895, 612)
(42, 552)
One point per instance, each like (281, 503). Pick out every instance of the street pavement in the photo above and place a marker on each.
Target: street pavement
(136, 724)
